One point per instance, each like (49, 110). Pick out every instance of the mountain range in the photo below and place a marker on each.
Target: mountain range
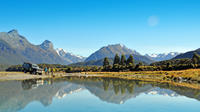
(111, 50)
(162, 56)
(16, 49)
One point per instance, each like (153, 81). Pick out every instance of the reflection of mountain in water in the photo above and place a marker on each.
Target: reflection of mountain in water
(15, 95)
(159, 91)
(118, 91)
(184, 91)
(68, 89)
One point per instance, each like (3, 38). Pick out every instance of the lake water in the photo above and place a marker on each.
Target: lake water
(74, 94)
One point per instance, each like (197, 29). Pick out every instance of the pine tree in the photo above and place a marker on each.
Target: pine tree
(130, 60)
(106, 62)
(116, 63)
(116, 60)
(123, 60)
(130, 63)
(196, 58)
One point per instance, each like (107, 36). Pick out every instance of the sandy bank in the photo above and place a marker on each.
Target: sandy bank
(4, 76)
(22, 76)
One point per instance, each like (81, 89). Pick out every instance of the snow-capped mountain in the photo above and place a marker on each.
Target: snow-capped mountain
(69, 56)
(61, 52)
(162, 56)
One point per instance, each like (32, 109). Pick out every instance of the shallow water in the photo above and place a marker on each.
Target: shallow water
(75, 94)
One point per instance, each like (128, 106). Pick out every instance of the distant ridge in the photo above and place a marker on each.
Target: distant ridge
(187, 54)
(110, 51)
(162, 56)
(15, 49)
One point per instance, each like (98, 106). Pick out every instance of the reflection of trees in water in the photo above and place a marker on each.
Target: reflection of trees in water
(106, 84)
(119, 85)
(185, 91)
(122, 86)
(116, 87)
(130, 88)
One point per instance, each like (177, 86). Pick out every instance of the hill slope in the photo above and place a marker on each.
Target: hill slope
(187, 54)
(110, 51)
(15, 49)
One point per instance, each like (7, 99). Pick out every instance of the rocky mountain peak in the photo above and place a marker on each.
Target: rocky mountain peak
(110, 51)
(120, 45)
(69, 56)
(14, 34)
(61, 52)
(14, 31)
(47, 45)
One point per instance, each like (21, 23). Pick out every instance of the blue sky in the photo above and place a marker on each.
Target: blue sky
(84, 26)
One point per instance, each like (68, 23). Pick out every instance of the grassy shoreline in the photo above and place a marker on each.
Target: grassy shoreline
(187, 78)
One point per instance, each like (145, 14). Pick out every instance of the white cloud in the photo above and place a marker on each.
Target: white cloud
(153, 21)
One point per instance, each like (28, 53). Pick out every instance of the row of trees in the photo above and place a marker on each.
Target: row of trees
(129, 65)
(119, 64)
(179, 64)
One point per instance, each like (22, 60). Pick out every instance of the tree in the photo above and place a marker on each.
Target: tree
(137, 67)
(130, 60)
(116, 67)
(106, 64)
(123, 60)
(116, 59)
(69, 70)
(169, 66)
(106, 61)
(130, 63)
(196, 58)
(140, 63)
(116, 63)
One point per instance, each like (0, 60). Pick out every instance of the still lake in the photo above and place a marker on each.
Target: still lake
(80, 94)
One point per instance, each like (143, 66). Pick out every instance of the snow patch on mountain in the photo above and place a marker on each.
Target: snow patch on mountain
(69, 56)
(63, 52)
(162, 56)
